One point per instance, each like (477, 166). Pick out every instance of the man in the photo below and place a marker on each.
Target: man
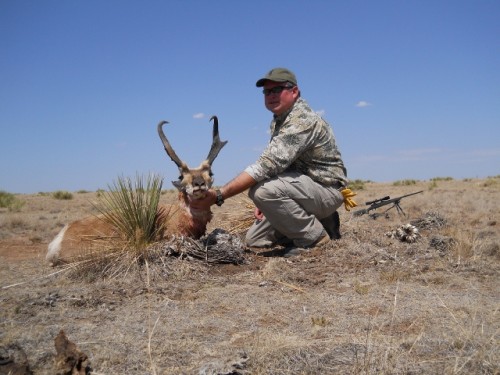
(296, 182)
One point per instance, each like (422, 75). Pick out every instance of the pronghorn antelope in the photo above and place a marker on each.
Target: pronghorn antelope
(93, 232)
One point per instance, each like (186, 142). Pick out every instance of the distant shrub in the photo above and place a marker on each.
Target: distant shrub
(82, 191)
(63, 195)
(6, 199)
(10, 201)
(490, 182)
(433, 185)
(442, 179)
(404, 182)
(357, 184)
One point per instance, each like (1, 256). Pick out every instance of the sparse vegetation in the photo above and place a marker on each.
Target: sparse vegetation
(365, 304)
(10, 201)
(442, 179)
(491, 182)
(405, 182)
(62, 195)
(432, 185)
(357, 184)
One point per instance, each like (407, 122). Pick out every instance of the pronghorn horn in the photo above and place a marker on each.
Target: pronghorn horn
(216, 142)
(170, 151)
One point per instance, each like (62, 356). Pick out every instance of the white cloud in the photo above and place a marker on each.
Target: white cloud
(362, 104)
(199, 115)
(321, 112)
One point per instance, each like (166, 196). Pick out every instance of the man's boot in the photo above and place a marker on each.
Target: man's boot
(332, 225)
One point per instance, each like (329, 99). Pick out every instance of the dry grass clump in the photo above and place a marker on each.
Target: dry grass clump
(431, 220)
(218, 247)
(238, 220)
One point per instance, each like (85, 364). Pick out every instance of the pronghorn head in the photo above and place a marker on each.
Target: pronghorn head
(194, 181)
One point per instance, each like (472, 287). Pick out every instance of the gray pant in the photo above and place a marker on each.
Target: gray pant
(293, 205)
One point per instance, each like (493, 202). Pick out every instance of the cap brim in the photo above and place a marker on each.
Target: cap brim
(261, 82)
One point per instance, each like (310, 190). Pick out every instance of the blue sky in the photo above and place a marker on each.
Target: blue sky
(411, 88)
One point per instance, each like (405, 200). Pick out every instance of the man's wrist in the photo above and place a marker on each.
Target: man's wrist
(219, 198)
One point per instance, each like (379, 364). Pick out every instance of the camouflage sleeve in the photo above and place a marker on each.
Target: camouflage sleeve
(303, 142)
(296, 134)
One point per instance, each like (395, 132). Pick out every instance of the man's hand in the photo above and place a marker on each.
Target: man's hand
(258, 214)
(205, 203)
(239, 184)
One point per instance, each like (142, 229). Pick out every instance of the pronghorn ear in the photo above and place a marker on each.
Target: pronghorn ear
(178, 185)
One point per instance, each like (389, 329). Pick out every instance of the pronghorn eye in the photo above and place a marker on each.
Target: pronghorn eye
(210, 174)
(180, 178)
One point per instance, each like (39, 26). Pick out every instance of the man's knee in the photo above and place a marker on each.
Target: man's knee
(262, 192)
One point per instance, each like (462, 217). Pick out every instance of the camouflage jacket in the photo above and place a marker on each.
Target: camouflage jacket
(301, 141)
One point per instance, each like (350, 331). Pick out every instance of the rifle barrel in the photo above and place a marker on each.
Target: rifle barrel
(378, 200)
(407, 195)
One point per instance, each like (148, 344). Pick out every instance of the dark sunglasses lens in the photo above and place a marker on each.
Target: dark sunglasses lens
(274, 90)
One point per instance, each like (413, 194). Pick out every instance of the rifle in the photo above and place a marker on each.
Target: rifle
(373, 205)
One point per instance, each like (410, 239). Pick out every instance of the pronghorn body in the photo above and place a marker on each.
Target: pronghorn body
(93, 233)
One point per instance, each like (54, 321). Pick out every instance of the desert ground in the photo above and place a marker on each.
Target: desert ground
(369, 303)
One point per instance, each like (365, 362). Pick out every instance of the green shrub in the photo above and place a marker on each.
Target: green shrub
(357, 184)
(6, 199)
(133, 208)
(63, 195)
(404, 182)
(10, 201)
(442, 179)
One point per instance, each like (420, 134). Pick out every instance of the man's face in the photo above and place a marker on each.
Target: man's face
(281, 102)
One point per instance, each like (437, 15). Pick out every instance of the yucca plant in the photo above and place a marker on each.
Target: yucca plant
(132, 206)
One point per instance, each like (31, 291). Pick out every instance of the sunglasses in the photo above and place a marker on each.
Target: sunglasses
(276, 90)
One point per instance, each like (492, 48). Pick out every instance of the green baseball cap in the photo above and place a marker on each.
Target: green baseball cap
(278, 75)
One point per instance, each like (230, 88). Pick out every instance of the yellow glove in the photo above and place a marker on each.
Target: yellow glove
(348, 202)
